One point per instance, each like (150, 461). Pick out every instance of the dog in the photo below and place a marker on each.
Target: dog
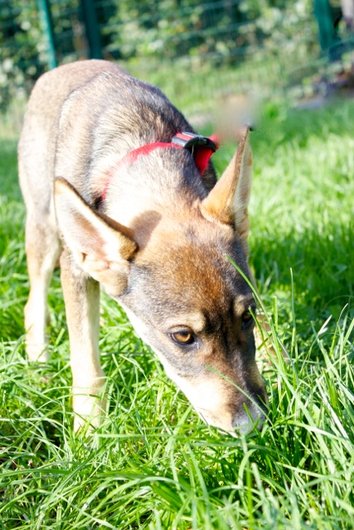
(119, 187)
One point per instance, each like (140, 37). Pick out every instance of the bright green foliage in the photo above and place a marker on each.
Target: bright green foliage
(221, 32)
(23, 44)
(154, 464)
(140, 32)
(20, 49)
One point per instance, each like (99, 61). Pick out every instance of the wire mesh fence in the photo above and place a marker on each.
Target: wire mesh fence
(196, 52)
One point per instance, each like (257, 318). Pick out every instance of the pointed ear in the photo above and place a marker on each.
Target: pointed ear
(228, 201)
(101, 247)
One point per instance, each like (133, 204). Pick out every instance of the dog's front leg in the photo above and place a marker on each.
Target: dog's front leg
(81, 294)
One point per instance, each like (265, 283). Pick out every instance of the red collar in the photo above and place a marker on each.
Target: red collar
(201, 147)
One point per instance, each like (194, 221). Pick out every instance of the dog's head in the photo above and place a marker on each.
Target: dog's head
(185, 291)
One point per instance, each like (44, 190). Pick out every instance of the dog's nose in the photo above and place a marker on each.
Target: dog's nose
(246, 424)
(251, 418)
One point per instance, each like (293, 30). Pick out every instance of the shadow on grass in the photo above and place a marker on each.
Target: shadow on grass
(321, 266)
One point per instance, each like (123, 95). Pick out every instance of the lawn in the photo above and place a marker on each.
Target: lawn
(154, 464)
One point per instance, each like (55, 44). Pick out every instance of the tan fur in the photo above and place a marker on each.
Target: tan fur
(228, 201)
(154, 235)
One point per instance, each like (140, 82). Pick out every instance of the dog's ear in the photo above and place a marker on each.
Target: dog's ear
(228, 201)
(101, 247)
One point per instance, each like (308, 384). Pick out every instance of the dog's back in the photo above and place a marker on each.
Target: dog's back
(81, 115)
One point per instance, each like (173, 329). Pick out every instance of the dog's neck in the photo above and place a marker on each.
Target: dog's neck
(201, 148)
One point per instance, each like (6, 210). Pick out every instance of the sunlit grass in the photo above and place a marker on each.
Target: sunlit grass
(154, 464)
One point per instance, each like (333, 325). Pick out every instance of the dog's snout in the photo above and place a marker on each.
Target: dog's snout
(253, 413)
(241, 419)
(250, 419)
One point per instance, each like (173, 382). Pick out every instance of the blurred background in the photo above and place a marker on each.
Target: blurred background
(198, 52)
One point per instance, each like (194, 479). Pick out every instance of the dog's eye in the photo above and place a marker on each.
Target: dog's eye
(183, 337)
(248, 317)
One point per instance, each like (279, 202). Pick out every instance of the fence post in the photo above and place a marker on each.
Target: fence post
(92, 29)
(329, 39)
(47, 24)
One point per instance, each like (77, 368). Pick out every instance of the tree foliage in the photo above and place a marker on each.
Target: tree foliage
(220, 31)
(20, 48)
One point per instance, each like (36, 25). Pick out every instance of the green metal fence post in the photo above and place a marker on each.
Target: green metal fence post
(92, 29)
(327, 32)
(47, 23)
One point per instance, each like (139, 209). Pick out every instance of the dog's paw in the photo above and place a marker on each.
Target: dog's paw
(36, 350)
(89, 410)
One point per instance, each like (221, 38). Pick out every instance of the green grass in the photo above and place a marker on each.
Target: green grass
(154, 464)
